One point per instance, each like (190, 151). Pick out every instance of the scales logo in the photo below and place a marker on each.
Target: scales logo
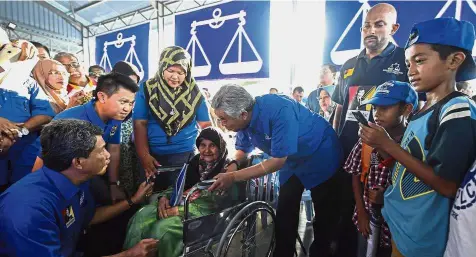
(339, 57)
(131, 55)
(239, 67)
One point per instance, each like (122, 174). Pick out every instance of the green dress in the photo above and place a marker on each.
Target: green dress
(169, 231)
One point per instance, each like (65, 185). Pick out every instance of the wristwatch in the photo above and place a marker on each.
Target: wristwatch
(25, 131)
(117, 183)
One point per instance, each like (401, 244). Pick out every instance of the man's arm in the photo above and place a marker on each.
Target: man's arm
(30, 231)
(337, 116)
(146, 247)
(113, 171)
(36, 122)
(105, 213)
(422, 171)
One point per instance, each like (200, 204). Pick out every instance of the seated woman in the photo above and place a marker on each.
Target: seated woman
(162, 222)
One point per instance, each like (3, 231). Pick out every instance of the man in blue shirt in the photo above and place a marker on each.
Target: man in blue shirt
(303, 146)
(24, 109)
(114, 99)
(58, 206)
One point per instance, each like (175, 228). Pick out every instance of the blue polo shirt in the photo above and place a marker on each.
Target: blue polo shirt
(26, 101)
(281, 127)
(19, 104)
(112, 129)
(43, 215)
(183, 142)
(359, 78)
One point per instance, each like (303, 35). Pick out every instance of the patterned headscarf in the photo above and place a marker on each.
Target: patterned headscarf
(174, 108)
(214, 135)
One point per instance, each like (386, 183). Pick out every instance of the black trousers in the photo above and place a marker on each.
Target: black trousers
(287, 217)
(346, 231)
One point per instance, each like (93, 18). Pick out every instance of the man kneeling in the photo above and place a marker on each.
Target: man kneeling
(44, 213)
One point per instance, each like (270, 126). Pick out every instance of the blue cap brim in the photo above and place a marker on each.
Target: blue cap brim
(382, 101)
(467, 71)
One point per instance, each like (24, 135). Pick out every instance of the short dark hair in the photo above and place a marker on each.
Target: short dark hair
(96, 67)
(298, 89)
(112, 82)
(331, 67)
(273, 88)
(444, 51)
(65, 139)
(40, 45)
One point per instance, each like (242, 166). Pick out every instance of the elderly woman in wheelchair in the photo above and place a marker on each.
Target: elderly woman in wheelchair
(161, 221)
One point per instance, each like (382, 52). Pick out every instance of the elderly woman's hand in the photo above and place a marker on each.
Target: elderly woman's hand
(223, 181)
(164, 210)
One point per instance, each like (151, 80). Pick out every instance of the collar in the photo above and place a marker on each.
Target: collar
(256, 111)
(93, 116)
(386, 52)
(64, 185)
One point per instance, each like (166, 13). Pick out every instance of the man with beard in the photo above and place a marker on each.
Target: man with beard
(380, 61)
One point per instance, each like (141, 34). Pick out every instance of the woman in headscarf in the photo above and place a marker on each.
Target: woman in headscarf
(160, 221)
(327, 106)
(167, 111)
(52, 77)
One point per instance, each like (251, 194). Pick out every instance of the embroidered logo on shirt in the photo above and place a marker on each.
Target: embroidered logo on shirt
(267, 137)
(394, 69)
(348, 73)
(68, 215)
(113, 131)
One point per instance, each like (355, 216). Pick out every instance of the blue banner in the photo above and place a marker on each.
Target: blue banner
(131, 45)
(344, 20)
(225, 41)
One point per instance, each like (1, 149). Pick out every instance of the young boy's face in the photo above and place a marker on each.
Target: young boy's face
(388, 116)
(426, 70)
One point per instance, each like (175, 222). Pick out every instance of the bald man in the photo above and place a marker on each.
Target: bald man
(380, 61)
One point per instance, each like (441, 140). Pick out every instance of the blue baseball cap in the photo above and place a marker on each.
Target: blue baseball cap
(450, 32)
(393, 92)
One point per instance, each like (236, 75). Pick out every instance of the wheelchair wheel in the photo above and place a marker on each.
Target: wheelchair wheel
(250, 233)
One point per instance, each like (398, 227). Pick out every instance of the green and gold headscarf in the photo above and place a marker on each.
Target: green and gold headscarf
(174, 108)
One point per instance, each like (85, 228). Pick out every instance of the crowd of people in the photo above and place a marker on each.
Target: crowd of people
(386, 146)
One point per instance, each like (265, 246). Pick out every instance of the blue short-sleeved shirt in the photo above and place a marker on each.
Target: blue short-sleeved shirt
(184, 141)
(112, 129)
(43, 215)
(26, 101)
(281, 127)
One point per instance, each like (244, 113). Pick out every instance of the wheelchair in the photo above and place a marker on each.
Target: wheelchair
(245, 228)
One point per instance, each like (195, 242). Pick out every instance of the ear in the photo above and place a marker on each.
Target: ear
(407, 110)
(244, 115)
(395, 28)
(102, 97)
(455, 60)
(77, 163)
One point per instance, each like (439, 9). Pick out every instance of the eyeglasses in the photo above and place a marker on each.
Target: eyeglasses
(58, 73)
(72, 65)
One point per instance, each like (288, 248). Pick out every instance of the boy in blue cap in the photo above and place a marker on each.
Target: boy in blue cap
(429, 168)
(392, 103)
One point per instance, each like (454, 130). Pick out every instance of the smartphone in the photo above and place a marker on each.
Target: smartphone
(360, 118)
(205, 184)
